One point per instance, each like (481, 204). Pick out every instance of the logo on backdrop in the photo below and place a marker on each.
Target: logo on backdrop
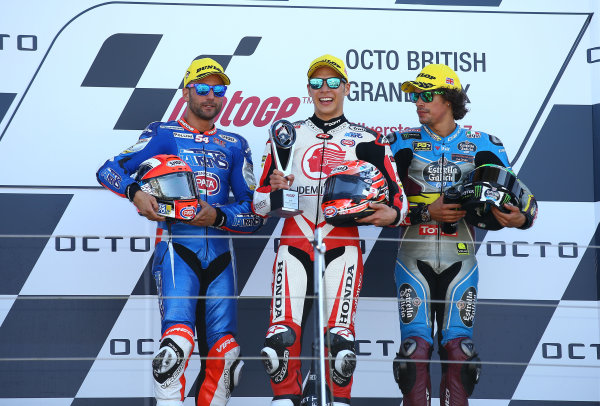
(146, 105)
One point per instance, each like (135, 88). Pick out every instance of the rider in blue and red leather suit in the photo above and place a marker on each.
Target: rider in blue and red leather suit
(436, 273)
(221, 162)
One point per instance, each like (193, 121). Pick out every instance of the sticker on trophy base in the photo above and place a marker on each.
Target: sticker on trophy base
(284, 203)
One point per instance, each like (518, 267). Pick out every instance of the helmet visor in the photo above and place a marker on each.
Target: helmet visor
(172, 186)
(346, 187)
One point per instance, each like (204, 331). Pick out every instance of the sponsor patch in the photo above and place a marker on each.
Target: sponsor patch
(188, 212)
(491, 194)
(112, 177)
(466, 306)
(439, 171)
(164, 209)
(462, 158)
(408, 303)
(467, 146)
(175, 163)
(428, 229)
(208, 183)
(473, 134)
(421, 146)
(329, 211)
(462, 248)
(348, 143)
(218, 141)
(432, 230)
(186, 136)
(411, 135)
(323, 136)
(246, 220)
(228, 138)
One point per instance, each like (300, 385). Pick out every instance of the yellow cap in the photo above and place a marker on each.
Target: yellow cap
(433, 77)
(330, 61)
(201, 68)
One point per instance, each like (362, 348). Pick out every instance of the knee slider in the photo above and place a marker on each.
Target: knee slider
(405, 370)
(471, 369)
(343, 364)
(276, 351)
(170, 361)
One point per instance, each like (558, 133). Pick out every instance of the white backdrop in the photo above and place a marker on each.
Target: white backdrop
(517, 61)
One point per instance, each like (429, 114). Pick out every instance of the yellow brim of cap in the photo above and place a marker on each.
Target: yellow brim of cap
(321, 64)
(223, 76)
(411, 85)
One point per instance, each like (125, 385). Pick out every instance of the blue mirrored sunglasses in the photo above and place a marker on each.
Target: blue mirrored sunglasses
(203, 89)
(333, 83)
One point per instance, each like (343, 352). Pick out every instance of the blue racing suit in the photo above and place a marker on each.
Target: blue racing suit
(438, 267)
(187, 261)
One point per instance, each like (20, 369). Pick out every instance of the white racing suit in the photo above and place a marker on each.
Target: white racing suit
(320, 147)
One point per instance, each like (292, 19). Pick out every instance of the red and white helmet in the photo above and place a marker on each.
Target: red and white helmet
(172, 182)
(349, 189)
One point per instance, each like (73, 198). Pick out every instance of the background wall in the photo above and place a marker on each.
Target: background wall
(80, 79)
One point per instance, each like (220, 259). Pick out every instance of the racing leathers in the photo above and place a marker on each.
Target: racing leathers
(436, 273)
(189, 263)
(320, 147)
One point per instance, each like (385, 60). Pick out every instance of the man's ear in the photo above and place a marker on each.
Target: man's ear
(347, 89)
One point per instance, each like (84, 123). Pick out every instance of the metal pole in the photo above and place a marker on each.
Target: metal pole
(319, 262)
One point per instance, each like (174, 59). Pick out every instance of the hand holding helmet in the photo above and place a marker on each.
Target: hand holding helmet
(487, 191)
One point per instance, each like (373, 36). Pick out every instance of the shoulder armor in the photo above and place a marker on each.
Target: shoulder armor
(391, 137)
(495, 140)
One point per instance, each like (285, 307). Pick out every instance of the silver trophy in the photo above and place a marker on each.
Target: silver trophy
(284, 203)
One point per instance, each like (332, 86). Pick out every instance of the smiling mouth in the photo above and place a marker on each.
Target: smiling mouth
(325, 99)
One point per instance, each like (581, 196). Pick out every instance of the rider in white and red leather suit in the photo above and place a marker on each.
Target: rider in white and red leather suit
(321, 146)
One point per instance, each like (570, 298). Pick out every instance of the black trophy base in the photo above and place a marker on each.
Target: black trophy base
(284, 203)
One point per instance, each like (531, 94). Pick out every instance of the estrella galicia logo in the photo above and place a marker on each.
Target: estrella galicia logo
(466, 306)
(111, 69)
(408, 303)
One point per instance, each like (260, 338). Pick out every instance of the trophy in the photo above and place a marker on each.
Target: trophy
(284, 202)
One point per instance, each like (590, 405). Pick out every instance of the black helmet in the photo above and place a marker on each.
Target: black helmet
(491, 185)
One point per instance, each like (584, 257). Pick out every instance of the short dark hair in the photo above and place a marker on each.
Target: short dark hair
(458, 101)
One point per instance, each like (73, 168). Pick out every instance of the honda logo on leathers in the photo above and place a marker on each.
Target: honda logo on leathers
(346, 304)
